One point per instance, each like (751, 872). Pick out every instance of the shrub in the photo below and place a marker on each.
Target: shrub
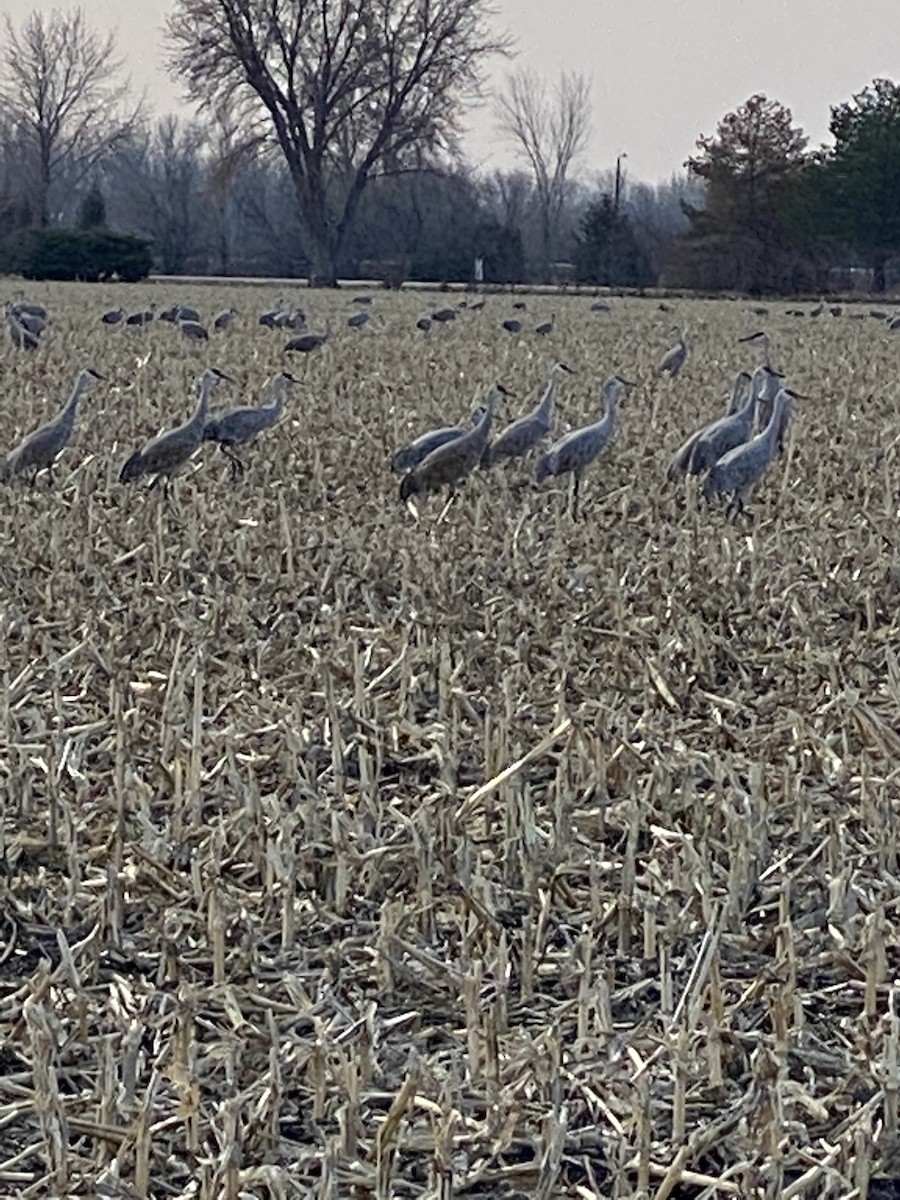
(88, 255)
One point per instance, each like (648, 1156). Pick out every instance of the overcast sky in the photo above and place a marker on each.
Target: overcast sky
(663, 72)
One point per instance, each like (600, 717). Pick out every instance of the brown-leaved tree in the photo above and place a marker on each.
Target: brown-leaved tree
(346, 88)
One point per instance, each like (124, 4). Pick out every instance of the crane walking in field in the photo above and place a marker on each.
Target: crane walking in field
(418, 450)
(519, 437)
(455, 460)
(681, 458)
(745, 465)
(165, 455)
(241, 425)
(40, 450)
(578, 449)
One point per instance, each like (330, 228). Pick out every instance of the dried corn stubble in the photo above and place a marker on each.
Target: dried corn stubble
(511, 854)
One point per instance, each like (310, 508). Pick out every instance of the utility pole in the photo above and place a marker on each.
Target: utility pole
(618, 181)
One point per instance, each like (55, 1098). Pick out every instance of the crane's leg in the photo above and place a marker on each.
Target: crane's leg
(34, 477)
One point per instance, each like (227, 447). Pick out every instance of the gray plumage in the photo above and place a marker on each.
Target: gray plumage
(241, 425)
(224, 320)
(362, 299)
(456, 459)
(307, 342)
(673, 360)
(20, 337)
(40, 449)
(766, 381)
(32, 322)
(745, 465)
(523, 434)
(114, 316)
(140, 318)
(546, 327)
(169, 314)
(193, 330)
(358, 320)
(577, 450)
(166, 454)
(723, 435)
(443, 315)
(681, 458)
(423, 323)
(512, 325)
(418, 450)
(28, 308)
(601, 306)
(186, 313)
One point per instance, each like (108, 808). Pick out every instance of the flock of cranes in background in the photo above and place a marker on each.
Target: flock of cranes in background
(733, 451)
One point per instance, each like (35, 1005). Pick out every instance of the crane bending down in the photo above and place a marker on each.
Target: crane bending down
(40, 449)
(745, 465)
(165, 455)
(578, 449)
(682, 456)
(418, 450)
(519, 437)
(241, 425)
(455, 460)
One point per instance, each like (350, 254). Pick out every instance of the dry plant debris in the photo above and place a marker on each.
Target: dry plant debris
(487, 853)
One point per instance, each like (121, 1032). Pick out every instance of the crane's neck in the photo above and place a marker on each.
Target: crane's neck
(771, 430)
(75, 395)
(545, 408)
(207, 383)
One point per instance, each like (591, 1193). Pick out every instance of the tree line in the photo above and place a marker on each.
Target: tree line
(324, 140)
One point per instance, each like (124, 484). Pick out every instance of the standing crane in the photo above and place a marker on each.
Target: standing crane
(673, 360)
(21, 337)
(519, 437)
(768, 382)
(577, 450)
(454, 461)
(740, 388)
(241, 425)
(40, 449)
(723, 435)
(165, 455)
(745, 465)
(418, 450)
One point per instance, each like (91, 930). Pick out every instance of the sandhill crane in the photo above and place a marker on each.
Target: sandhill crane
(455, 460)
(185, 313)
(520, 305)
(306, 342)
(577, 450)
(743, 466)
(477, 305)
(511, 325)
(140, 318)
(419, 449)
(169, 314)
(681, 458)
(224, 320)
(673, 360)
(165, 455)
(40, 449)
(443, 315)
(241, 425)
(423, 323)
(546, 327)
(520, 436)
(767, 383)
(30, 309)
(21, 337)
(31, 321)
(361, 300)
(114, 316)
(723, 435)
(358, 320)
(601, 306)
(193, 330)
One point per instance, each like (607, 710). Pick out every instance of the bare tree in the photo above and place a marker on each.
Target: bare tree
(59, 88)
(550, 131)
(347, 88)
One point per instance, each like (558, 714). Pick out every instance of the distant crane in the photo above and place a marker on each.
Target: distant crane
(423, 323)
(577, 450)
(242, 425)
(165, 455)
(185, 313)
(224, 320)
(358, 320)
(306, 343)
(681, 458)
(40, 449)
(511, 325)
(673, 360)
(418, 450)
(115, 316)
(745, 465)
(520, 436)
(442, 315)
(455, 460)
(193, 330)
(140, 318)
(20, 337)
(546, 327)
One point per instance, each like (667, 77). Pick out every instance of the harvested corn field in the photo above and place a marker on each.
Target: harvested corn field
(361, 849)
